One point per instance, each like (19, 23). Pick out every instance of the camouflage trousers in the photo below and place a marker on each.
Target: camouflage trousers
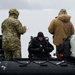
(11, 47)
(12, 54)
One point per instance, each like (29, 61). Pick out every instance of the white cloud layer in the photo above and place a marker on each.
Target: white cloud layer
(37, 4)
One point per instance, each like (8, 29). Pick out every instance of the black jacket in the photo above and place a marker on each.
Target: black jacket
(39, 49)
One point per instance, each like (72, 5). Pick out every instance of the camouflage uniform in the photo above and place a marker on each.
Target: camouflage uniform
(11, 31)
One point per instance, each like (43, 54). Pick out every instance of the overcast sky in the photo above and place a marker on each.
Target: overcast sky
(37, 4)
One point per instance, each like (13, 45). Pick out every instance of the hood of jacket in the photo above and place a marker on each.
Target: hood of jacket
(64, 17)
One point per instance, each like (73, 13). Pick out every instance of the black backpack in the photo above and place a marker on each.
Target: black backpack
(65, 47)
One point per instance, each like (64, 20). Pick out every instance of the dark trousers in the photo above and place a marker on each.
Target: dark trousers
(57, 54)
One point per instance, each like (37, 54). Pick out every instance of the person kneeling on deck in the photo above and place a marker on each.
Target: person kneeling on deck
(39, 47)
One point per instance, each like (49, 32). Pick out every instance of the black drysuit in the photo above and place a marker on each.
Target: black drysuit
(39, 49)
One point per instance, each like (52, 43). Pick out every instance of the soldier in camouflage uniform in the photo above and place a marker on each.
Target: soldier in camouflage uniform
(12, 30)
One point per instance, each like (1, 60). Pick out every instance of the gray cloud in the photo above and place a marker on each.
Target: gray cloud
(20, 4)
(37, 4)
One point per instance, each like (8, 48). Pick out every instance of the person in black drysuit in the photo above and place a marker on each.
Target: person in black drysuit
(39, 47)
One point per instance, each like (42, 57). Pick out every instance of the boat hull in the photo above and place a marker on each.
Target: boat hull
(36, 67)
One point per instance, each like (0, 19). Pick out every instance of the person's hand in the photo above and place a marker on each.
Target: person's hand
(25, 27)
(41, 48)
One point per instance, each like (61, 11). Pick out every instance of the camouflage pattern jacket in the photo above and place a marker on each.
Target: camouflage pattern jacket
(11, 31)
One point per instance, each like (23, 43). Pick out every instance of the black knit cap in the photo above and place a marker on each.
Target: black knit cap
(40, 34)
